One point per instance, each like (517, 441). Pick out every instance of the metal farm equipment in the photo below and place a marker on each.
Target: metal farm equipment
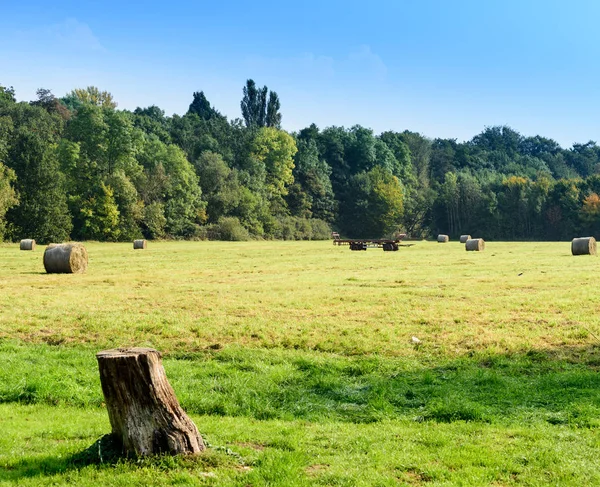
(366, 243)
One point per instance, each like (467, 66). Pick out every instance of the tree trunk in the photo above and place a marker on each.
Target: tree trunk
(143, 410)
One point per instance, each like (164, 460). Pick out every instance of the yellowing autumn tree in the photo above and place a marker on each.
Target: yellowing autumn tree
(275, 149)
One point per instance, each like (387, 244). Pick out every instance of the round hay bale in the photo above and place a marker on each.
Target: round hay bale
(139, 244)
(443, 238)
(583, 246)
(464, 238)
(476, 244)
(68, 258)
(27, 244)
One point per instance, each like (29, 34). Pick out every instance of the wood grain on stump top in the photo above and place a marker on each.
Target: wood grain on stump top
(127, 352)
(142, 407)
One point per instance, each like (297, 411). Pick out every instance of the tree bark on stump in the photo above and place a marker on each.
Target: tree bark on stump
(142, 407)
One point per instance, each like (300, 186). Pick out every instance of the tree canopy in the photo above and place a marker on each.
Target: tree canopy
(78, 167)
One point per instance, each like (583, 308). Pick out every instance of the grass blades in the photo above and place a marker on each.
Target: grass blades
(296, 361)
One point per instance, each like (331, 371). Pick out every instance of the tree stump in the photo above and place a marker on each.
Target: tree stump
(143, 410)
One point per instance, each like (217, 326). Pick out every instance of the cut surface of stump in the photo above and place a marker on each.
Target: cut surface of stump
(142, 407)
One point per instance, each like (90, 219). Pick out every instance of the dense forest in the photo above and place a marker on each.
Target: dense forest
(76, 167)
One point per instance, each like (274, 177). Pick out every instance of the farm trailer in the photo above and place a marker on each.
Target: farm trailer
(364, 243)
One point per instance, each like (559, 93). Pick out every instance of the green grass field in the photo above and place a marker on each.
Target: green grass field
(295, 360)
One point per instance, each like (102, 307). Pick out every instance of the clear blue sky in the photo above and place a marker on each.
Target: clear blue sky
(443, 68)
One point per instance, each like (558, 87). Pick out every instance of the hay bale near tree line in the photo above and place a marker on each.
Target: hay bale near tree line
(475, 244)
(583, 246)
(443, 238)
(139, 244)
(71, 258)
(464, 238)
(27, 244)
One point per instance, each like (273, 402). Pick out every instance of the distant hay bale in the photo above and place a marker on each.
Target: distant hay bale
(464, 238)
(583, 246)
(476, 244)
(27, 244)
(68, 258)
(139, 244)
(443, 238)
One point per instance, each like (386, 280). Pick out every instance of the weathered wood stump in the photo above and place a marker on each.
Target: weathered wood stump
(143, 410)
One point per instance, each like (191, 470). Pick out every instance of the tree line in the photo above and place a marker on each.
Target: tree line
(76, 167)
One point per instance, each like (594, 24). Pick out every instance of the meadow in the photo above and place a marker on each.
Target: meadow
(296, 361)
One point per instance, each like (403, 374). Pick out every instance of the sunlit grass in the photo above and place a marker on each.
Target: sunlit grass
(296, 361)
(309, 296)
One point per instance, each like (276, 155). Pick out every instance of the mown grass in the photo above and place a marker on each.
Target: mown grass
(311, 296)
(291, 385)
(41, 445)
(296, 361)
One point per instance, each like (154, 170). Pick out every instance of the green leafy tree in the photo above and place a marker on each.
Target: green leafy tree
(590, 215)
(377, 207)
(220, 185)
(313, 194)
(152, 121)
(171, 181)
(258, 109)
(275, 149)
(562, 209)
(42, 212)
(101, 150)
(403, 166)
(420, 155)
(418, 208)
(93, 96)
(254, 105)
(449, 194)
(298, 201)
(154, 220)
(129, 204)
(273, 117)
(201, 107)
(6, 130)
(99, 215)
(50, 103)
(8, 196)
(7, 94)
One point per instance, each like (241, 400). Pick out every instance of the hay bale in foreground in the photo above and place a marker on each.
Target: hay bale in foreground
(476, 244)
(583, 246)
(139, 244)
(68, 258)
(27, 244)
(464, 238)
(443, 238)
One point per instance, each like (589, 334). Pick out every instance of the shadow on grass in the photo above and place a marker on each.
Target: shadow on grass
(107, 452)
(559, 386)
(550, 387)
